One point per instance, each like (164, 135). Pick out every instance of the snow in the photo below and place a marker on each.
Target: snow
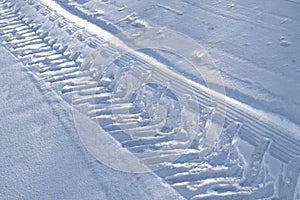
(69, 128)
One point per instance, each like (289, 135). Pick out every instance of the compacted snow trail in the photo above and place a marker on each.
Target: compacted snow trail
(52, 43)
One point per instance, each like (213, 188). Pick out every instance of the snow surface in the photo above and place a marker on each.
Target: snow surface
(255, 47)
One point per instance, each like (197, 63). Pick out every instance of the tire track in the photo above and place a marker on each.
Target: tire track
(53, 48)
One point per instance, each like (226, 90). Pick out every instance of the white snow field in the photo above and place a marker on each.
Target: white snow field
(85, 115)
